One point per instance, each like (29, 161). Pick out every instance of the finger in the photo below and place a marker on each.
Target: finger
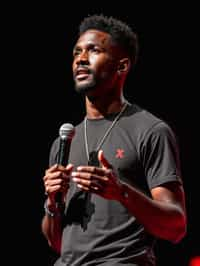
(103, 161)
(51, 189)
(55, 175)
(95, 189)
(54, 182)
(87, 185)
(56, 185)
(69, 167)
(57, 168)
(90, 170)
(87, 173)
(51, 169)
(93, 180)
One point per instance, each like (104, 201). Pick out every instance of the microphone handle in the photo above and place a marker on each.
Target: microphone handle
(62, 159)
(63, 152)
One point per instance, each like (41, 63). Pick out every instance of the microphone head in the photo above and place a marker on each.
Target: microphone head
(67, 131)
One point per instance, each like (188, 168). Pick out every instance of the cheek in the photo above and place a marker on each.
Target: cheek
(73, 66)
(108, 71)
(105, 67)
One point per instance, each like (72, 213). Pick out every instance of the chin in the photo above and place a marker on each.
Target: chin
(83, 87)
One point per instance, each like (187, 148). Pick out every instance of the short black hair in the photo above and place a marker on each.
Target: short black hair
(121, 32)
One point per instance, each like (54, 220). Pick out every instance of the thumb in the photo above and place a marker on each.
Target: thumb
(103, 161)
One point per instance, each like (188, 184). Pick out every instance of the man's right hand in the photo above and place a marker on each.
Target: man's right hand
(56, 180)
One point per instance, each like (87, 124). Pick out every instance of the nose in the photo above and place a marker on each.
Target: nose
(82, 58)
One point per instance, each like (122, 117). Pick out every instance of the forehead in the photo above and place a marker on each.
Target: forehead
(94, 37)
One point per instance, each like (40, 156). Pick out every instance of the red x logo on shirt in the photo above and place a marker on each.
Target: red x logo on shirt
(119, 153)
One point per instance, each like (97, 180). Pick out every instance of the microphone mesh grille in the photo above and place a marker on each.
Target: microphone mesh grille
(67, 131)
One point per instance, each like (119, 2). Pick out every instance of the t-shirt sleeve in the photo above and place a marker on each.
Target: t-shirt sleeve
(160, 156)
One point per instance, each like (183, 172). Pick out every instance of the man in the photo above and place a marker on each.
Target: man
(122, 188)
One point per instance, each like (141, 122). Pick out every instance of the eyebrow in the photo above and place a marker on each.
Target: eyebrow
(89, 45)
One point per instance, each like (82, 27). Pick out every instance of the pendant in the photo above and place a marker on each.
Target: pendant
(93, 158)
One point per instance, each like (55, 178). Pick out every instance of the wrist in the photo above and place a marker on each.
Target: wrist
(124, 195)
(53, 210)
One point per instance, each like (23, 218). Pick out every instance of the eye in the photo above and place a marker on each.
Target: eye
(76, 52)
(95, 50)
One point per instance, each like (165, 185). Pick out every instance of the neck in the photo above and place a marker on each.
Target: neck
(100, 108)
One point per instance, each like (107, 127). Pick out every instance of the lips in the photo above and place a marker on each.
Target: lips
(82, 73)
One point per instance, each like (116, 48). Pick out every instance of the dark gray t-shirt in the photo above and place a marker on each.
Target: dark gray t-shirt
(143, 152)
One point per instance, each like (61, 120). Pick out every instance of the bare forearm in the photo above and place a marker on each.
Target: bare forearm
(163, 219)
(52, 230)
(52, 224)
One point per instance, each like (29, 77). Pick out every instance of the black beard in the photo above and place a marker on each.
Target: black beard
(84, 88)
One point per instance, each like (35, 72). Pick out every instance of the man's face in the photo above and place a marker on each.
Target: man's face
(95, 62)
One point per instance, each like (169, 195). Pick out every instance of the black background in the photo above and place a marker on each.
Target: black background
(37, 48)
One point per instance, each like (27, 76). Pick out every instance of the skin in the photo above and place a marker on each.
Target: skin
(100, 67)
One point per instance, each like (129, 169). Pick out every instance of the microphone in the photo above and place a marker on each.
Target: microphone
(66, 133)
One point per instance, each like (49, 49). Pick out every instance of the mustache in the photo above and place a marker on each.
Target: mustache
(83, 68)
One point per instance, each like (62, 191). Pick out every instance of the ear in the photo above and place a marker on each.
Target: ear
(124, 65)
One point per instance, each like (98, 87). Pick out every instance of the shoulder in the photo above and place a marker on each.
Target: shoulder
(144, 126)
(144, 121)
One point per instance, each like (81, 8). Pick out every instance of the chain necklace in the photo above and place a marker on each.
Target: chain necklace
(93, 156)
